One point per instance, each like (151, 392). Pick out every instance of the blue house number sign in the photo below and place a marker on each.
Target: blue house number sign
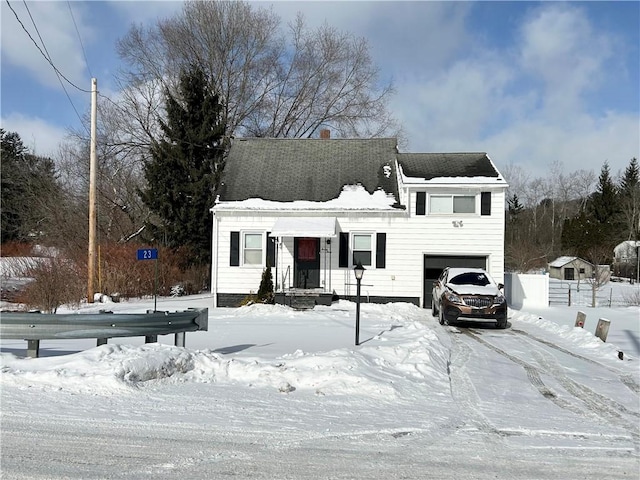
(148, 254)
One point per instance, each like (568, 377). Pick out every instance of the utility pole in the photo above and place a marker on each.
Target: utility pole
(92, 191)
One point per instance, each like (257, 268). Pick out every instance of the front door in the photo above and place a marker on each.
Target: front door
(307, 262)
(569, 273)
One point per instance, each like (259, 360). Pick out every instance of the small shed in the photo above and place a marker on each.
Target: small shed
(570, 268)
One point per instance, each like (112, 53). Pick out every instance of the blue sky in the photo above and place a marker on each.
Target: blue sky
(531, 83)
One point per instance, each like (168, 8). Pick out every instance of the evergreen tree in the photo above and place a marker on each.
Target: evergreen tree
(604, 201)
(598, 228)
(630, 200)
(265, 291)
(582, 234)
(29, 190)
(11, 191)
(514, 211)
(515, 208)
(185, 167)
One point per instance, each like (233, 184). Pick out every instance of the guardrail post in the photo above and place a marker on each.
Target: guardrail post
(33, 348)
(581, 318)
(180, 337)
(602, 330)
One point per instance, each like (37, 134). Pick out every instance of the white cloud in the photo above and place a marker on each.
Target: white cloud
(585, 144)
(55, 25)
(40, 137)
(560, 47)
(145, 11)
(524, 103)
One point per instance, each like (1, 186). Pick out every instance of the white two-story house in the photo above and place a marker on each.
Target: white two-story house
(312, 209)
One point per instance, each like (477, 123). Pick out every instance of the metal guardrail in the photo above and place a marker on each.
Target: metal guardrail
(34, 327)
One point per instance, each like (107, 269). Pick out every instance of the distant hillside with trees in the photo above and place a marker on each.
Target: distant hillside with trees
(570, 214)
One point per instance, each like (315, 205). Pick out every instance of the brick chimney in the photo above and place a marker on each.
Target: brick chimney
(325, 133)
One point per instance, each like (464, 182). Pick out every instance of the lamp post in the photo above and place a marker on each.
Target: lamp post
(358, 271)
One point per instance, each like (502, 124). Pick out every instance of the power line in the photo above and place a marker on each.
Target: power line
(79, 38)
(42, 53)
(48, 57)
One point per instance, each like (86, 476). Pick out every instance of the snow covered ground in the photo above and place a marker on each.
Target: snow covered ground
(273, 393)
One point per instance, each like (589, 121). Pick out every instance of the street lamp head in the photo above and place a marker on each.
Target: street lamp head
(358, 270)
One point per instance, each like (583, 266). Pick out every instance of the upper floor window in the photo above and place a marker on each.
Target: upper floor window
(449, 204)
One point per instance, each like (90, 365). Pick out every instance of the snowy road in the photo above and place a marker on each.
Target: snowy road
(416, 400)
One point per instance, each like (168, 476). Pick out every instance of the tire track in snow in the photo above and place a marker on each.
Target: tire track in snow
(532, 372)
(626, 379)
(604, 407)
(597, 405)
(464, 393)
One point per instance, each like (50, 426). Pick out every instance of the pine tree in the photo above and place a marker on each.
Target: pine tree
(185, 167)
(265, 291)
(604, 201)
(630, 200)
(29, 190)
(581, 234)
(515, 207)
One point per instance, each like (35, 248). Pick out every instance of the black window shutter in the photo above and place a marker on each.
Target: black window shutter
(234, 259)
(271, 251)
(381, 250)
(421, 203)
(485, 203)
(343, 256)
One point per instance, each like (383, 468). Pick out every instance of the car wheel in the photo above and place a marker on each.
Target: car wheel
(441, 317)
(502, 324)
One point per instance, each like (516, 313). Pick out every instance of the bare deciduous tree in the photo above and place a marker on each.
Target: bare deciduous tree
(269, 86)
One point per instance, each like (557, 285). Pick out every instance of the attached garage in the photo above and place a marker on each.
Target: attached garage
(434, 264)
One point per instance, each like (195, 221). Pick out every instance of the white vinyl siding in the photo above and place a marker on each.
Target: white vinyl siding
(408, 239)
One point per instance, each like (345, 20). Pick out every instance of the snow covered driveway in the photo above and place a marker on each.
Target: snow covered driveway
(271, 393)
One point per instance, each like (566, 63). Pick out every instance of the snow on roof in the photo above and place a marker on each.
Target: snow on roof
(564, 260)
(469, 168)
(321, 227)
(352, 197)
(627, 245)
(454, 180)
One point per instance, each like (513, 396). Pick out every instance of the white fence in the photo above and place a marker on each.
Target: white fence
(525, 290)
(538, 290)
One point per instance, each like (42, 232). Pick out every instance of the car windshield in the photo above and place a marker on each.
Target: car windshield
(470, 278)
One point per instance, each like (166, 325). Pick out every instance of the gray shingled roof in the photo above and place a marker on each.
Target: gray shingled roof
(286, 169)
(433, 165)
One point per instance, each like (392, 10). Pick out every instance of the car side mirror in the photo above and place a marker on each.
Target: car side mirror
(500, 286)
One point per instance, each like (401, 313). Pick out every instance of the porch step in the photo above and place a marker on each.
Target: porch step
(303, 300)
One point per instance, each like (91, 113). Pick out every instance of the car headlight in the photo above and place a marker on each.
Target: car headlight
(499, 300)
(453, 298)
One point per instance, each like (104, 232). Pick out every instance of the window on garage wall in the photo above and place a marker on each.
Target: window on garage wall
(450, 204)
